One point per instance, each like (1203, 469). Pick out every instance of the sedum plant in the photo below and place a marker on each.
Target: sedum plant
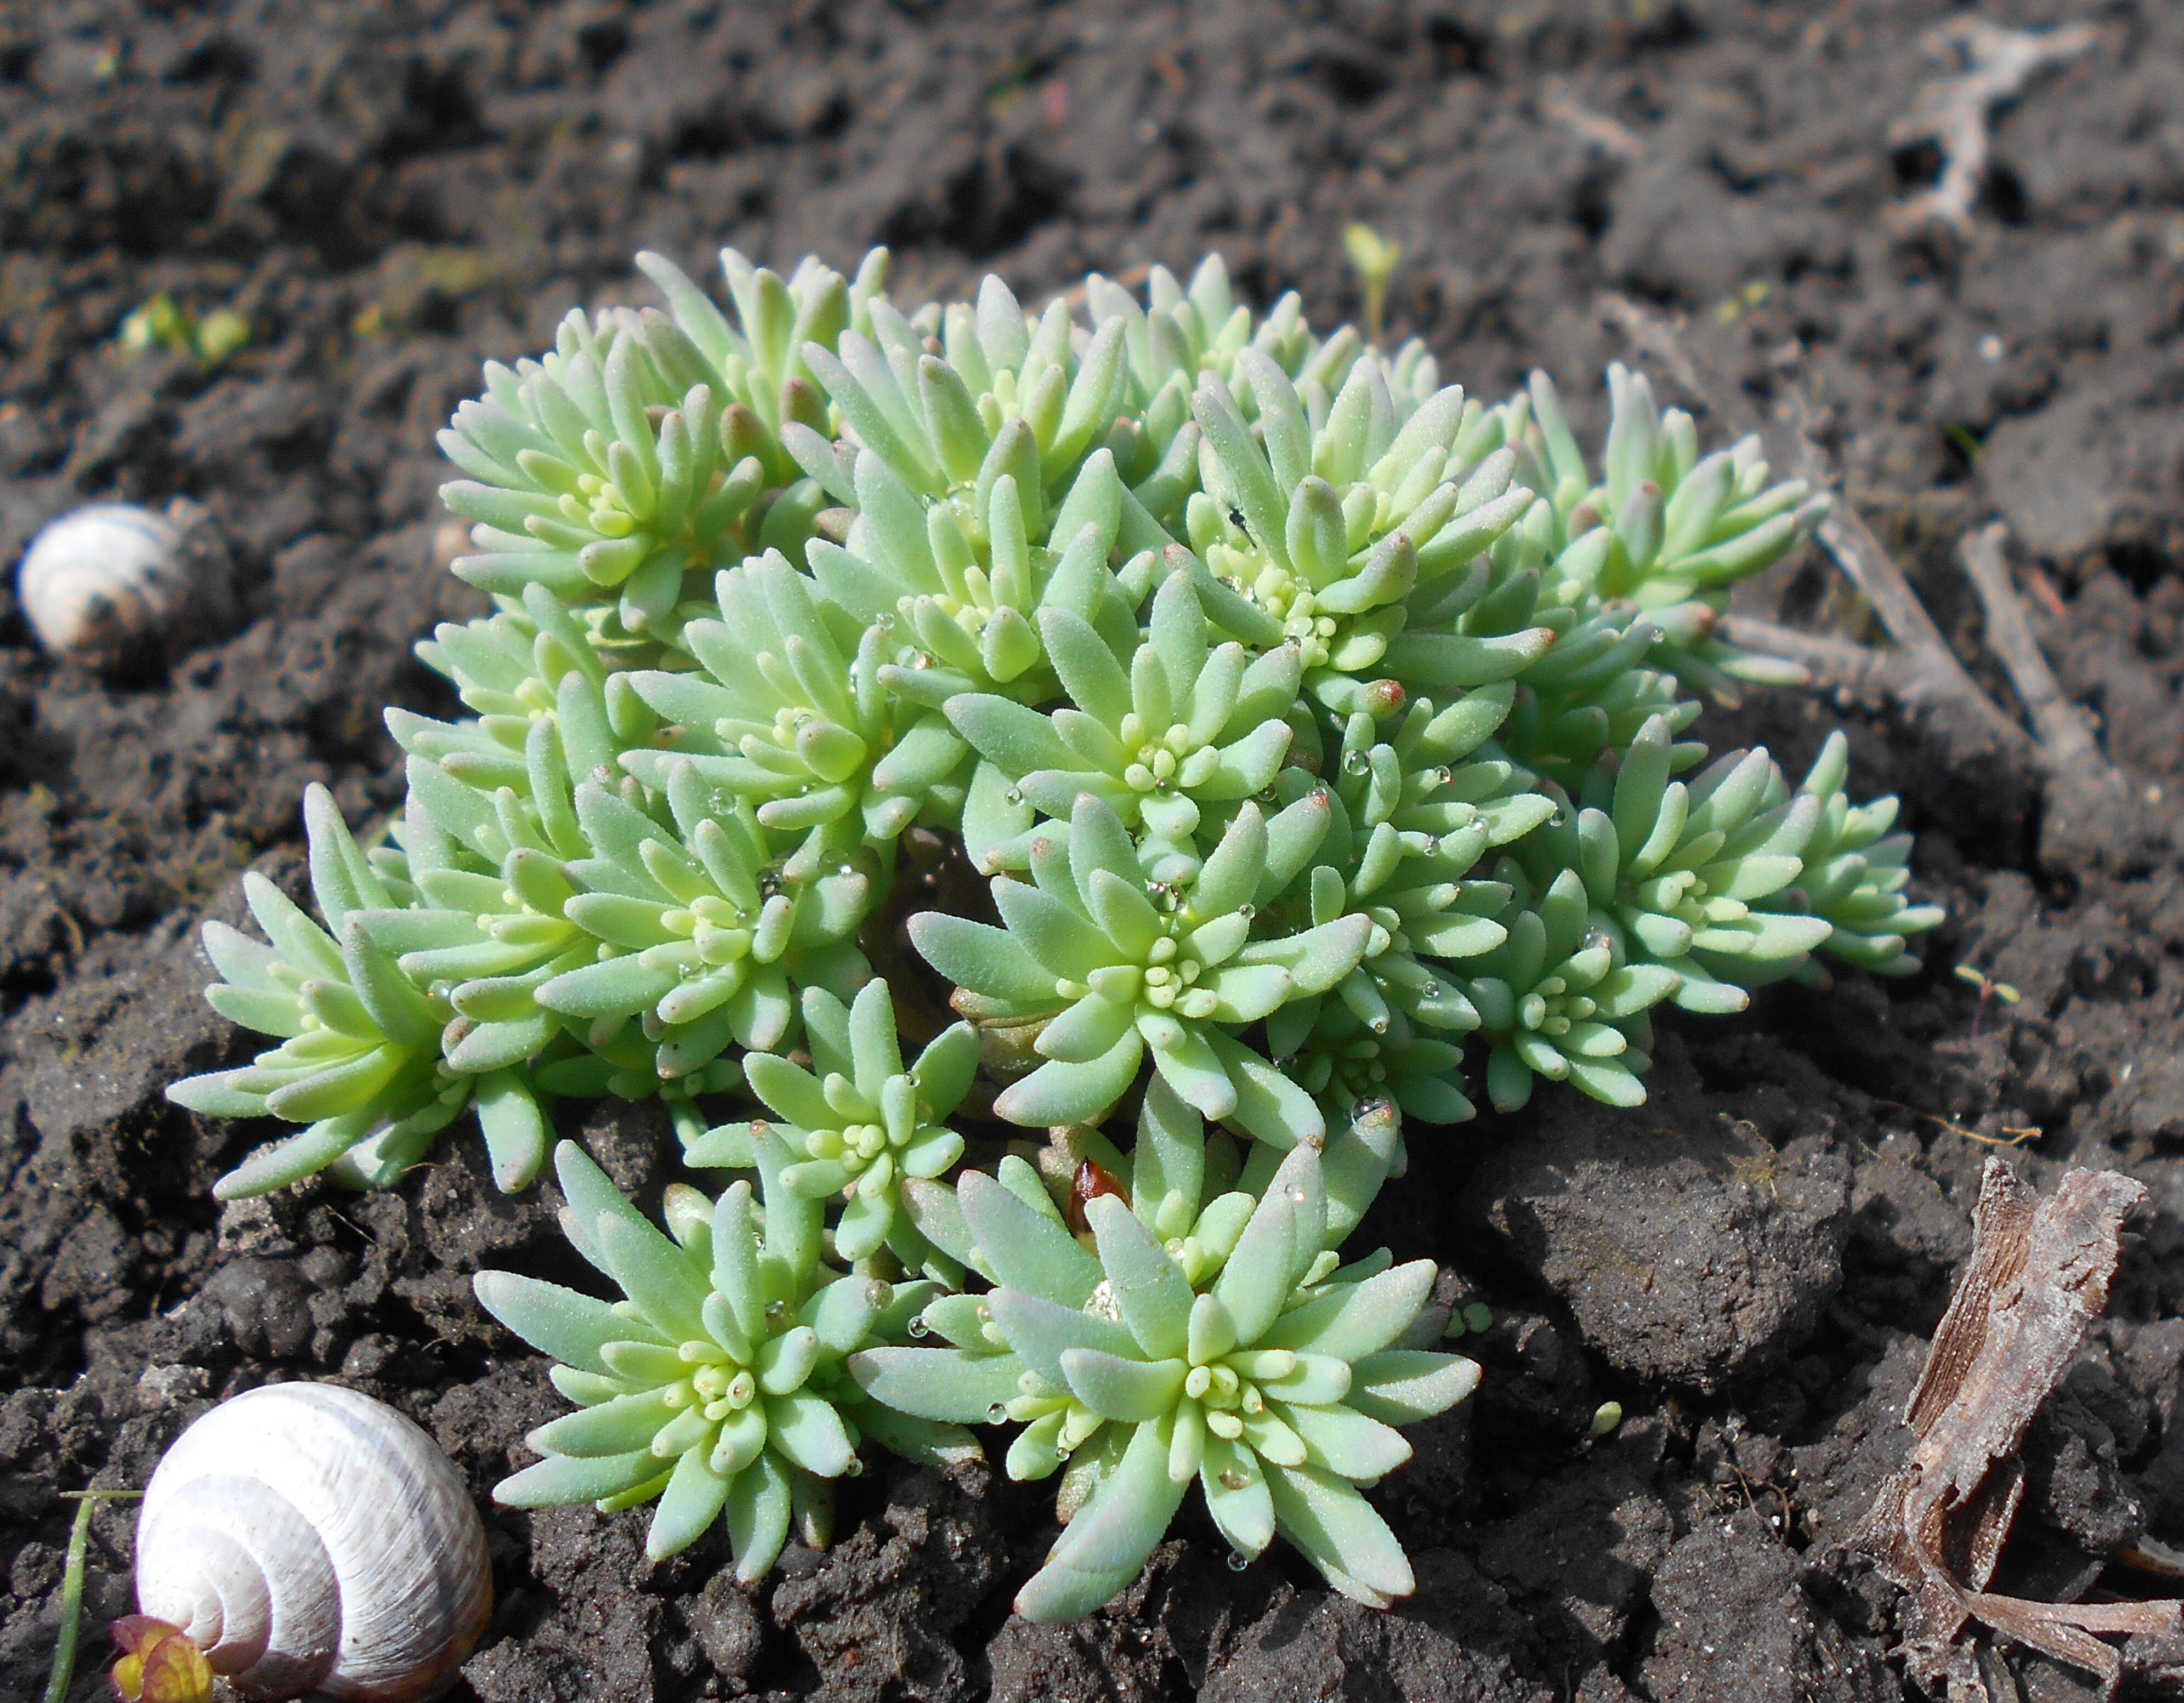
(900, 728)
(715, 1386)
(1225, 1342)
(857, 1124)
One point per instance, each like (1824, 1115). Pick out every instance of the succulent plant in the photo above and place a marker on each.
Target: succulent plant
(1557, 1000)
(1121, 965)
(698, 940)
(714, 1385)
(857, 1123)
(639, 450)
(1176, 725)
(1241, 730)
(358, 1062)
(1226, 1344)
(1665, 527)
(1853, 873)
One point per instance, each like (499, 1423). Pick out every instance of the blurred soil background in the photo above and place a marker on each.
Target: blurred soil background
(1750, 1265)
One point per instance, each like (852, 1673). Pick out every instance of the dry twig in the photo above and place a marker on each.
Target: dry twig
(1922, 670)
(1596, 128)
(1839, 665)
(1930, 672)
(1956, 112)
(2093, 816)
(2060, 727)
(1656, 334)
(2037, 1279)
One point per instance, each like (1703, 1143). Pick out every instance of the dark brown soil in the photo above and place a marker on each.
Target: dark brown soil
(1750, 1265)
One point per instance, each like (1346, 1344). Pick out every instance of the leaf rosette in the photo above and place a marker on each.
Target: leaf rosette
(1121, 964)
(857, 1123)
(703, 940)
(1176, 730)
(1235, 1349)
(359, 1059)
(787, 710)
(714, 1386)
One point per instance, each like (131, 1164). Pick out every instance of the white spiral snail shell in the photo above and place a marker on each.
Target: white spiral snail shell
(310, 1540)
(103, 582)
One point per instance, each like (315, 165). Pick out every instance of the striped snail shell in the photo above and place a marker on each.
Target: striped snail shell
(311, 1540)
(104, 582)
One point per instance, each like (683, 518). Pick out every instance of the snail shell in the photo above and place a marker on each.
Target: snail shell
(103, 583)
(309, 1539)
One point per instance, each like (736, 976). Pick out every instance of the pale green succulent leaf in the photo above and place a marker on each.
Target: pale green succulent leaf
(1101, 1549)
(1339, 1533)
(1150, 1289)
(1026, 1249)
(1402, 1386)
(1122, 1389)
(937, 1383)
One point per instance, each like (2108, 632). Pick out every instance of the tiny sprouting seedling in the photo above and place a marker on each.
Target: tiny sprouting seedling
(1373, 257)
(1234, 724)
(1989, 988)
(163, 323)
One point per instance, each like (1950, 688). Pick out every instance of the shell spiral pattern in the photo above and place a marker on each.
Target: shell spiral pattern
(311, 1540)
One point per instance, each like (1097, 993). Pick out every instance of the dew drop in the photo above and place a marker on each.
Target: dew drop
(1238, 1561)
(856, 1469)
(1014, 797)
(918, 1327)
(1247, 911)
(1235, 1477)
(1357, 763)
(1556, 820)
(776, 1311)
(997, 1413)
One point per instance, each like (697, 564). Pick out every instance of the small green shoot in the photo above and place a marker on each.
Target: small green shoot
(163, 323)
(1373, 258)
(79, 1549)
(1989, 988)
